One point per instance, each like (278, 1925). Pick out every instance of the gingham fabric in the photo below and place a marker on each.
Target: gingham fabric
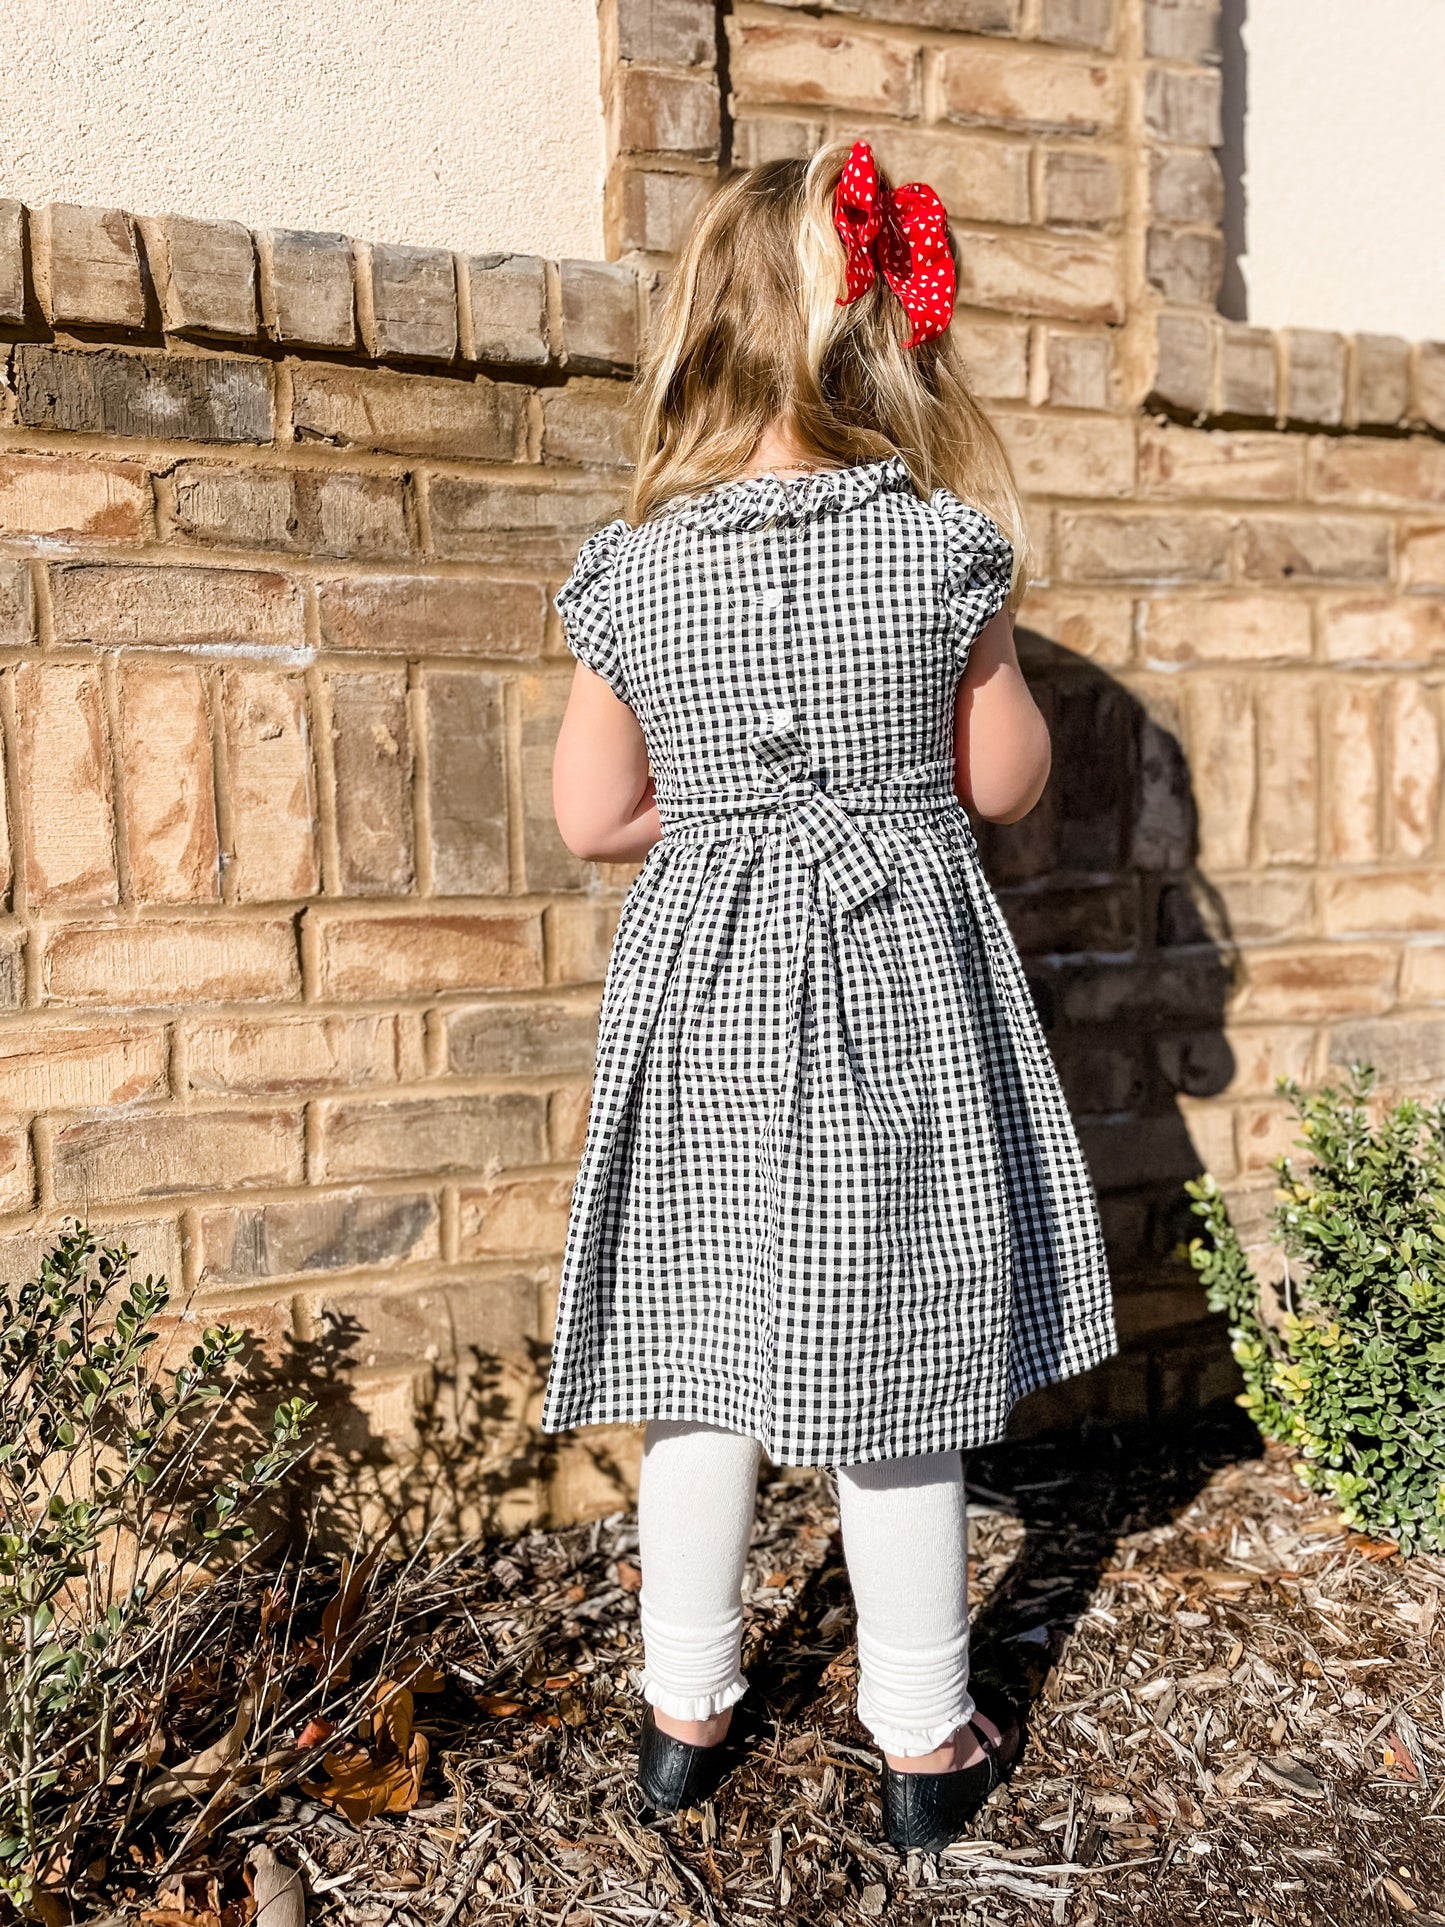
(830, 1195)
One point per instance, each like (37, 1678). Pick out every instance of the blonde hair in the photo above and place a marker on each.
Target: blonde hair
(751, 332)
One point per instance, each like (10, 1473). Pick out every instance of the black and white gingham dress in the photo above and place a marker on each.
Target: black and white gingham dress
(830, 1195)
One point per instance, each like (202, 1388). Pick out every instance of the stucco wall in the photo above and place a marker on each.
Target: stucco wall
(1344, 153)
(468, 124)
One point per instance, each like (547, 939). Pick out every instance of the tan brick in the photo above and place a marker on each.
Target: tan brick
(586, 422)
(567, 1112)
(17, 1174)
(50, 1067)
(1183, 362)
(1050, 274)
(433, 615)
(170, 801)
(672, 33)
(1385, 629)
(1412, 727)
(1310, 981)
(61, 495)
(1263, 1053)
(1376, 472)
(1422, 556)
(1224, 464)
(1399, 900)
(17, 611)
(161, 397)
(1351, 730)
(1430, 383)
(235, 508)
(414, 302)
(549, 864)
(301, 1236)
(115, 604)
(528, 1039)
(1221, 761)
(1102, 545)
(651, 210)
(206, 271)
(977, 176)
(155, 1243)
(467, 782)
(1181, 30)
(1288, 774)
(756, 140)
(273, 1057)
(371, 752)
(599, 316)
(1077, 23)
(12, 969)
(1274, 908)
(169, 1154)
(475, 420)
(12, 261)
(1185, 187)
(1382, 379)
(363, 515)
(1011, 87)
(953, 16)
(171, 961)
(1265, 1132)
(1080, 370)
(1057, 455)
(507, 301)
(1081, 189)
(796, 65)
(1283, 548)
(1224, 628)
(1405, 1052)
(427, 951)
(1124, 1152)
(510, 523)
(307, 292)
(514, 1217)
(594, 1476)
(996, 356)
(407, 1136)
(1096, 627)
(88, 269)
(1422, 974)
(1315, 361)
(579, 941)
(1059, 922)
(272, 792)
(63, 782)
(1184, 265)
(663, 113)
(1183, 107)
(1247, 370)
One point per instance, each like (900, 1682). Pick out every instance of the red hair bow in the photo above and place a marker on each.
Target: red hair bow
(903, 232)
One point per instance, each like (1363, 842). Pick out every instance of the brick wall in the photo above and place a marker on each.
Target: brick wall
(298, 982)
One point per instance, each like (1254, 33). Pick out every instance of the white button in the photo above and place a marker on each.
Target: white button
(780, 719)
(772, 598)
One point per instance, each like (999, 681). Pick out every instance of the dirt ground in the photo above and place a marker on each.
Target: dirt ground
(1236, 1715)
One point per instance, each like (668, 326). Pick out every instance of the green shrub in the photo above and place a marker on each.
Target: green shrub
(110, 1504)
(1344, 1360)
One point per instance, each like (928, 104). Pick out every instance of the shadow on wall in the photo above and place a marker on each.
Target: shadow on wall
(1129, 956)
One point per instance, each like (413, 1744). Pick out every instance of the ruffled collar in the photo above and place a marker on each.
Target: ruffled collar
(771, 501)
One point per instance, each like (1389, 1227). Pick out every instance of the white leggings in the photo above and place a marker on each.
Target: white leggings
(905, 1539)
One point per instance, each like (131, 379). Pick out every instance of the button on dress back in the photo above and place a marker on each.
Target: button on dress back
(830, 1194)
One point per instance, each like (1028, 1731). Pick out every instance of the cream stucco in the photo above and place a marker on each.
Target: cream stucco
(469, 124)
(1344, 165)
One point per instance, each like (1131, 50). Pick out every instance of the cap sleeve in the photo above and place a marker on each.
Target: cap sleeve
(977, 571)
(585, 601)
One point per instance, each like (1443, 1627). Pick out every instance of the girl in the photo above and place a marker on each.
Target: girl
(830, 1203)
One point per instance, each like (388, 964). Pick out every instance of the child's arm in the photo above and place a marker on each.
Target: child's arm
(601, 783)
(1001, 742)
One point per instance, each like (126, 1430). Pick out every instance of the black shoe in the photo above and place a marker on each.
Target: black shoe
(928, 1811)
(674, 1774)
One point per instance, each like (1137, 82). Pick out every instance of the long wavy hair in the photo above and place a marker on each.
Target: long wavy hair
(751, 332)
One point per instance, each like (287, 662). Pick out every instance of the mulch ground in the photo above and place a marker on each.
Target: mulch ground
(1236, 1715)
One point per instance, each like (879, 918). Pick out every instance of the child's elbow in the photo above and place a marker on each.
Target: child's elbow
(1013, 799)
